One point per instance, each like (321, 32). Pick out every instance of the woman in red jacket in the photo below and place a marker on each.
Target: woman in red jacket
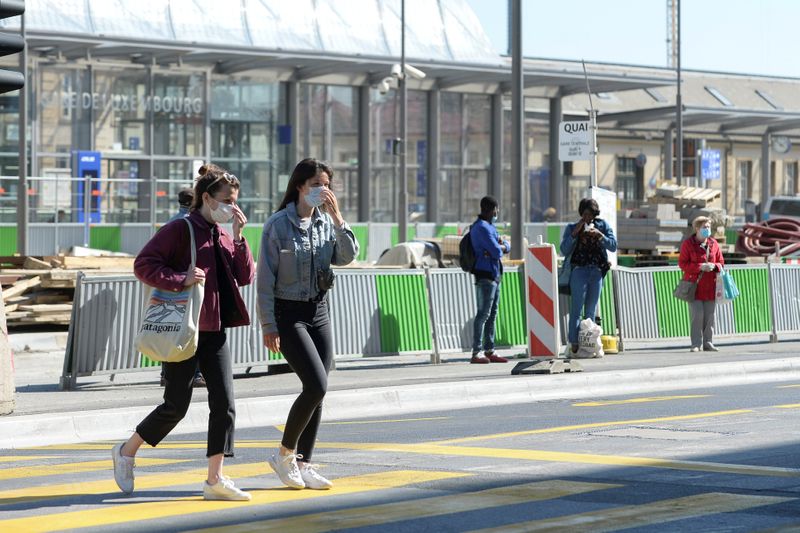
(701, 261)
(225, 263)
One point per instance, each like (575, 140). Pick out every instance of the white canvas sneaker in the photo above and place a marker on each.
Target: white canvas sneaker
(312, 479)
(286, 468)
(123, 469)
(224, 489)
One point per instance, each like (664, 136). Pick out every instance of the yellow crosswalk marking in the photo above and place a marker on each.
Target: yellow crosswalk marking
(75, 468)
(16, 458)
(389, 421)
(642, 515)
(611, 423)
(566, 457)
(414, 509)
(646, 399)
(171, 445)
(137, 512)
(143, 482)
(788, 406)
(787, 386)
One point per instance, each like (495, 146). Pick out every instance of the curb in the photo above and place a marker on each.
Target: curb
(110, 424)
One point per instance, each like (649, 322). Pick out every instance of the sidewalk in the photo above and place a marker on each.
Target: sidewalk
(387, 386)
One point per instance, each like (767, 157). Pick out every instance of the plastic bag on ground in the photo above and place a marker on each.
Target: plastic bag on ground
(589, 343)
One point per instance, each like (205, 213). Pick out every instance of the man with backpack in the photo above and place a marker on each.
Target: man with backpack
(487, 248)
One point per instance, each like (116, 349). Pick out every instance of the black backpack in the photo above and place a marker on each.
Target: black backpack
(466, 253)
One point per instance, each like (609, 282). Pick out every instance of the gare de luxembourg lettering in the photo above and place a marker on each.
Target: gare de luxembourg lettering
(122, 102)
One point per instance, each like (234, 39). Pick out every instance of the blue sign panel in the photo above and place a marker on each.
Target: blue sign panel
(285, 134)
(710, 164)
(88, 164)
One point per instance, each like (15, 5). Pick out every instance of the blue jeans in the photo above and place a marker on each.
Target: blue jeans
(585, 284)
(487, 292)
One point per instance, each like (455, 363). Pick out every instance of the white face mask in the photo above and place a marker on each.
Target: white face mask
(314, 196)
(223, 213)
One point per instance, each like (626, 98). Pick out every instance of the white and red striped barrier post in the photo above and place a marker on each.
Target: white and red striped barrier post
(541, 302)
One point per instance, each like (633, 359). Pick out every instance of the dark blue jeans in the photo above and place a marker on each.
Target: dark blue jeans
(585, 284)
(487, 292)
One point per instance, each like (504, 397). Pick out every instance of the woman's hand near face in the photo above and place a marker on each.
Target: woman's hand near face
(239, 221)
(332, 205)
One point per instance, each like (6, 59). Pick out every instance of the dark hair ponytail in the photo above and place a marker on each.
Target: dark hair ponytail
(305, 170)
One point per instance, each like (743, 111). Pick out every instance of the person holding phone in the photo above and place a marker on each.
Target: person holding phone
(588, 240)
(299, 244)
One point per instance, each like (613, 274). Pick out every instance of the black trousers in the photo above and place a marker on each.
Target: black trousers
(306, 343)
(214, 360)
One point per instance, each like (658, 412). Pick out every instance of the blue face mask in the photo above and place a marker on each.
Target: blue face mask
(705, 233)
(494, 219)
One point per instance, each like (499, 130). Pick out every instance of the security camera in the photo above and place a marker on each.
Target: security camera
(414, 72)
(387, 83)
(397, 71)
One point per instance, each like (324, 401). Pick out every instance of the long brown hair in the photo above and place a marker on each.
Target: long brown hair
(210, 179)
(305, 170)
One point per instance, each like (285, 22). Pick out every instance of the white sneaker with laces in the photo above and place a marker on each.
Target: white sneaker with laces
(312, 479)
(224, 489)
(123, 469)
(286, 468)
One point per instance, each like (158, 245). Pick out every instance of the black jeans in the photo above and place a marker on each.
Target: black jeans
(214, 359)
(306, 344)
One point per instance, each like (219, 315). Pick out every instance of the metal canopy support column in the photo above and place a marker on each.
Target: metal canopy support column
(557, 188)
(364, 168)
(496, 174)
(22, 187)
(434, 183)
(292, 119)
(766, 182)
(517, 124)
(668, 154)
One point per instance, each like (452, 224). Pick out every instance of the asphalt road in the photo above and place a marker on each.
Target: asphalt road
(723, 459)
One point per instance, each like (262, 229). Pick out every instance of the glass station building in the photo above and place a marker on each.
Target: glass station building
(149, 89)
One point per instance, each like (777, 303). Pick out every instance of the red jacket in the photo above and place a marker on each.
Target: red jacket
(692, 256)
(164, 260)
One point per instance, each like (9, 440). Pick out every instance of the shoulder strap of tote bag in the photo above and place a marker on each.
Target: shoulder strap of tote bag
(194, 246)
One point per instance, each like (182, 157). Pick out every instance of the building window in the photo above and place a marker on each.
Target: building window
(790, 178)
(744, 182)
(630, 176)
(655, 95)
(768, 99)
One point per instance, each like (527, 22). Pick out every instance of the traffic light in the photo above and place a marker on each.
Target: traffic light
(11, 80)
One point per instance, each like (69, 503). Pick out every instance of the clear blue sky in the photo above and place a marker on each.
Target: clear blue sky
(747, 36)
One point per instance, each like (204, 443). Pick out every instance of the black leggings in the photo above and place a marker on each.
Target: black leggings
(214, 359)
(306, 344)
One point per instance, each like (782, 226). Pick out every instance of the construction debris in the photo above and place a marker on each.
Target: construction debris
(778, 237)
(40, 290)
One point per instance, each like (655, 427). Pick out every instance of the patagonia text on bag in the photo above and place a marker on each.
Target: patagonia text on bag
(170, 327)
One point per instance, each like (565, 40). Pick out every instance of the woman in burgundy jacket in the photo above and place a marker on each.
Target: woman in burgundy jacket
(225, 263)
(701, 259)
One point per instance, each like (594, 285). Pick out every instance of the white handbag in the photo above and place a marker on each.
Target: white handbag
(170, 328)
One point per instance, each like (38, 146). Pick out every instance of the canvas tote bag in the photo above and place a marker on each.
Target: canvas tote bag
(170, 327)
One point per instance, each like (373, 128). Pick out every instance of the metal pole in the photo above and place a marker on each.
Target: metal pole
(517, 125)
(402, 218)
(22, 188)
(679, 106)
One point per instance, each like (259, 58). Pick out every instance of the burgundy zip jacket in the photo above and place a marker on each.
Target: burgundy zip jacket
(164, 260)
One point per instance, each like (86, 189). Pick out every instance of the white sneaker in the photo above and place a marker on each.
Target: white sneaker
(694, 349)
(286, 468)
(224, 489)
(312, 479)
(123, 469)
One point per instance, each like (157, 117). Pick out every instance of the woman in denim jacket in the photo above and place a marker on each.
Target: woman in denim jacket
(589, 240)
(299, 244)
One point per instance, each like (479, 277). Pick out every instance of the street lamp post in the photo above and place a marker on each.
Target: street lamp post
(402, 217)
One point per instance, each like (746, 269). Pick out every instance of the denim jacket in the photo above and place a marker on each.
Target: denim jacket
(290, 258)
